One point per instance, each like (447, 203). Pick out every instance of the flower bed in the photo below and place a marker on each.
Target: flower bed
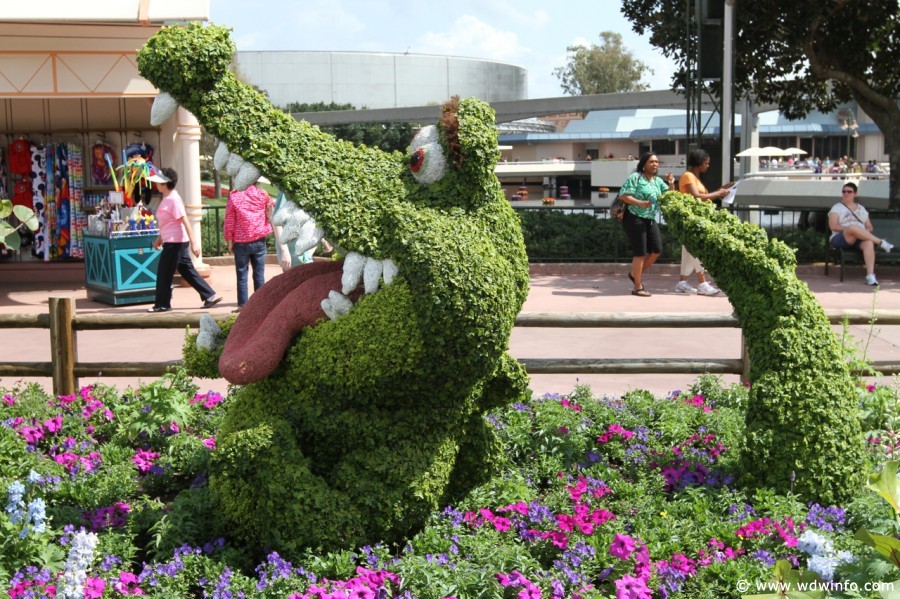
(106, 496)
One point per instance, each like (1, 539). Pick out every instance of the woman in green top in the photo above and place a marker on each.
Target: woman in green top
(640, 193)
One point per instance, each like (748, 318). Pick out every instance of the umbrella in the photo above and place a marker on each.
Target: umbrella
(767, 151)
(752, 151)
(773, 151)
(795, 151)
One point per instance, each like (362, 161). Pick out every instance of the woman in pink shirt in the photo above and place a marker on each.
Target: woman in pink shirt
(175, 234)
(248, 221)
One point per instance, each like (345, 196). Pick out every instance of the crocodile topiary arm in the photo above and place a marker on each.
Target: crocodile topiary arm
(802, 433)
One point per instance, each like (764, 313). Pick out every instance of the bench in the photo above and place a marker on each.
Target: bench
(883, 227)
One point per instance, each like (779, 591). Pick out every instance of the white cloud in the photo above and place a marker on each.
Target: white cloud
(324, 17)
(511, 12)
(470, 36)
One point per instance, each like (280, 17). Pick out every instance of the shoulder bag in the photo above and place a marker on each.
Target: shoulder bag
(617, 209)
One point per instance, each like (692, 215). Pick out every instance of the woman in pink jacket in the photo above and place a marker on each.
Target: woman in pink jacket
(248, 221)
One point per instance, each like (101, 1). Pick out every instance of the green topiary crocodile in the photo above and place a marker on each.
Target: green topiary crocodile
(802, 430)
(365, 423)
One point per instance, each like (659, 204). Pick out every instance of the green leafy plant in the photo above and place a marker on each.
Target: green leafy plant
(9, 234)
(799, 434)
(374, 418)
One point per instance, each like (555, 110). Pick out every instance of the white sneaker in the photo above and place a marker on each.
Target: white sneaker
(684, 287)
(886, 246)
(706, 289)
(871, 280)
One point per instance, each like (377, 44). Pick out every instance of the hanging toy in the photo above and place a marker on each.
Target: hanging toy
(135, 177)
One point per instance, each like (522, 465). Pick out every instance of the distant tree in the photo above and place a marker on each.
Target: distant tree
(605, 69)
(803, 55)
(386, 136)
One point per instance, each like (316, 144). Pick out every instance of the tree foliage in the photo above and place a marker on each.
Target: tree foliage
(384, 136)
(605, 69)
(802, 56)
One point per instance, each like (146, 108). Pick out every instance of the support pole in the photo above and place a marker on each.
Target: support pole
(727, 92)
(62, 345)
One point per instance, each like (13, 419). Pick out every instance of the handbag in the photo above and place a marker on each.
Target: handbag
(617, 209)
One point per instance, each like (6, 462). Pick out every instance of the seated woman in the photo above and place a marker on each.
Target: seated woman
(852, 229)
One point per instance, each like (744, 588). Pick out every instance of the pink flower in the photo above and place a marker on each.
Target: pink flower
(93, 588)
(570, 404)
(520, 507)
(31, 434)
(629, 587)
(559, 539)
(128, 584)
(565, 522)
(9, 400)
(600, 517)
(622, 547)
(53, 424)
(210, 443)
(143, 459)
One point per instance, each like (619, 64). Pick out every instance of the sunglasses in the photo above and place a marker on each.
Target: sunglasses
(847, 191)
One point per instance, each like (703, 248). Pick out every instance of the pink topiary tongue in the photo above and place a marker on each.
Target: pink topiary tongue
(273, 316)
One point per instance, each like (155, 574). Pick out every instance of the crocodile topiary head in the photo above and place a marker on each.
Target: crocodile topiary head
(366, 379)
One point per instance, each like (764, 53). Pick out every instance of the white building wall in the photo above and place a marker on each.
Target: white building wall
(369, 80)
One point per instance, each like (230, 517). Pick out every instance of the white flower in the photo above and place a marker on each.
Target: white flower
(81, 554)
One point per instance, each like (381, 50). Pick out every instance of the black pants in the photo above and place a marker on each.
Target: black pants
(174, 257)
(643, 234)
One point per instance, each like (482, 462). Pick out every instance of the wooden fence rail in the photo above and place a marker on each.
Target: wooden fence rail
(65, 369)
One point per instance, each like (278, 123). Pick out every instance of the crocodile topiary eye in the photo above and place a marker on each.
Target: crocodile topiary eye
(426, 158)
(417, 160)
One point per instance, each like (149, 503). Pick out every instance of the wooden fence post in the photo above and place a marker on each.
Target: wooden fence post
(62, 345)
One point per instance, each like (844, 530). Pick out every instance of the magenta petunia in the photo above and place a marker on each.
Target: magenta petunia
(622, 546)
(630, 587)
(94, 587)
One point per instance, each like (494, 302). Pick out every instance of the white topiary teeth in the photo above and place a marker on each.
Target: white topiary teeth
(353, 270)
(246, 176)
(372, 275)
(286, 213)
(294, 225)
(389, 271)
(234, 164)
(164, 106)
(220, 158)
(210, 334)
(336, 305)
(368, 270)
(310, 236)
(299, 227)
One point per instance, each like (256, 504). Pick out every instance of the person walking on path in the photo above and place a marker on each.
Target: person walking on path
(852, 229)
(248, 221)
(175, 237)
(640, 193)
(697, 164)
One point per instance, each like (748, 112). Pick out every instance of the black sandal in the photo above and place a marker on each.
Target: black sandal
(640, 292)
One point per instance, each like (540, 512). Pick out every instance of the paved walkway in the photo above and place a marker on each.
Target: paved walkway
(554, 288)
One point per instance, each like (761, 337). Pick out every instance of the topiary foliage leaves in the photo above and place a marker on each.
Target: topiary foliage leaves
(802, 434)
(373, 420)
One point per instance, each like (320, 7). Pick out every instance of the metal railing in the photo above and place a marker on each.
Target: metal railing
(64, 322)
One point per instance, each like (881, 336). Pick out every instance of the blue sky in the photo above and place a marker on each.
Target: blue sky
(527, 33)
